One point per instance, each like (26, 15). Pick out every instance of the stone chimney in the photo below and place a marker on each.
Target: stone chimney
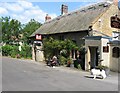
(47, 17)
(64, 9)
(115, 2)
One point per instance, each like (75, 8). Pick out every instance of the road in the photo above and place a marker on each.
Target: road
(27, 75)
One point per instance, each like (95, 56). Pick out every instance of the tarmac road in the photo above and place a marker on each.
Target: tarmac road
(27, 75)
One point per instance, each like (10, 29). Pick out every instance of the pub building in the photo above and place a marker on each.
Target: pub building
(95, 26)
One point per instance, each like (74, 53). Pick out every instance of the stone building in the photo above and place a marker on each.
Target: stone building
(83, 26)
(115, 55)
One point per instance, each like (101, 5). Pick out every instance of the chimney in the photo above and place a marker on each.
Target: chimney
(47, 17)
(115, 2)
(64, 9)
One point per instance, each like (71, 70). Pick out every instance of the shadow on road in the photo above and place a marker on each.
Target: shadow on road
(90, 76)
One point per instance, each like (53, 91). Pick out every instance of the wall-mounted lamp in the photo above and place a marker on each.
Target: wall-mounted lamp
(98, 52)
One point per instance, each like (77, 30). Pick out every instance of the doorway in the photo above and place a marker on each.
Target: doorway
(93, 57)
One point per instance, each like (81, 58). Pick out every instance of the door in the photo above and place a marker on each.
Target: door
(93, 57)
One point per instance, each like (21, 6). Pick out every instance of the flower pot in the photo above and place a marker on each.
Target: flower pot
(107, 71)
(72, 65)
(68, 64)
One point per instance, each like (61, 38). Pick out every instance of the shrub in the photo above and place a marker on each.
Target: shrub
(69, 61)
(79, 66)
(9, 50)
(26, 51)
(12, 50)
(62, 60)
(63, 52)
(53, 47)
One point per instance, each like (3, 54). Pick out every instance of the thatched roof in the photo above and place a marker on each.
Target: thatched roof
(78, 20)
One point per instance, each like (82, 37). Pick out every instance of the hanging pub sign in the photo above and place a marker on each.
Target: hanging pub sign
(38, 37)
(115, 22)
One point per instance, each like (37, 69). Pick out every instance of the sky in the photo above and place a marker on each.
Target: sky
(24, 10)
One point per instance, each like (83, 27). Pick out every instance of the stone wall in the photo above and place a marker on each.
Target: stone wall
(102, 23)
(114, 62)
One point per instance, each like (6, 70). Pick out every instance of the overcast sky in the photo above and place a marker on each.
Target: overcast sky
(24, 10)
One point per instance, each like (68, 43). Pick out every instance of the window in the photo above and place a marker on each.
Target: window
(116, 52)
(106, 49)
(74, 41)
(61, 37)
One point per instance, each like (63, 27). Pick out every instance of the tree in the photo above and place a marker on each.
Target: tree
(5, 25)
(11, 29)
(29, 28)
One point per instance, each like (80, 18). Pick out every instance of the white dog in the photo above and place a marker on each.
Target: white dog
(97, 72)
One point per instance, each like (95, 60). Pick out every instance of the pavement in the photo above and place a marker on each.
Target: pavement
(29, 75)
(112, 78)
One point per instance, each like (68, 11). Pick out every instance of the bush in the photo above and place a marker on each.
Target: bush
(62, 60)
(12, 50)
(9, 50)
(69, 61)
(53, 47)
(79, 66)
(26, 51)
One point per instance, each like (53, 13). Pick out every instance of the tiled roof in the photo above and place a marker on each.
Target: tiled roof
(78, 20)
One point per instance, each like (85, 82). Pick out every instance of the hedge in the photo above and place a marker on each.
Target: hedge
(12, 50)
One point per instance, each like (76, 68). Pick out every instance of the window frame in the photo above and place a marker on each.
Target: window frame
(116, 52)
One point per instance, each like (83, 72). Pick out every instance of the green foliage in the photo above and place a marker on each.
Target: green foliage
(56, 47)
(9, 50)
(13, 32)
(62, 60)
(12, 50)
(79, 66)
(69, 61)
(11, 29)
(63, 52)
(51, 47)
(26, 51)
(69, 45)
(29, 28)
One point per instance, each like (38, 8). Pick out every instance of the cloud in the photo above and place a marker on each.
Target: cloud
(3, 11)
(25, 4)
(23, 11)
(12, 7)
